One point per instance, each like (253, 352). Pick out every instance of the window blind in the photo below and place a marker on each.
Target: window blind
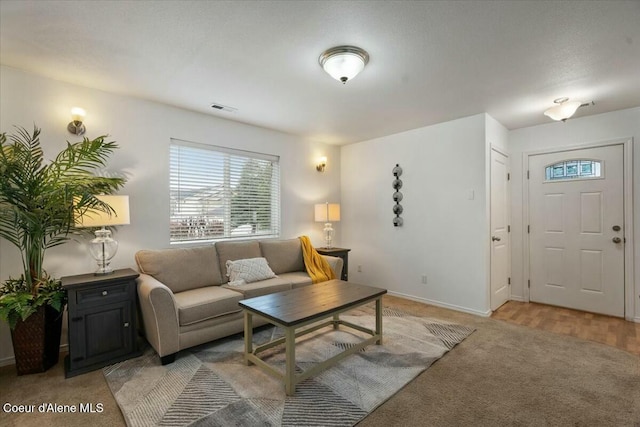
(222, 193)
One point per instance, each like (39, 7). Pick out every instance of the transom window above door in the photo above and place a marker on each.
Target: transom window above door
(573, 169)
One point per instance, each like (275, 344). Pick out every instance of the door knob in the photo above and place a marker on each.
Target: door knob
(616, 240)
(616, 228)
(495, 239)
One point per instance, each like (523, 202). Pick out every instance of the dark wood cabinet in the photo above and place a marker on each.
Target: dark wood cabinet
(102, 320)
(340, 253)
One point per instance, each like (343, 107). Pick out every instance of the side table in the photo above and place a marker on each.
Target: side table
(102, 320)
(340, 253)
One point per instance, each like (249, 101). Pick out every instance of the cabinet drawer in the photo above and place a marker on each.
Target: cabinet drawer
(103, 295)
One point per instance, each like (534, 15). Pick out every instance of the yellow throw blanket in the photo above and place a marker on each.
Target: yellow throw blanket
(317, 267)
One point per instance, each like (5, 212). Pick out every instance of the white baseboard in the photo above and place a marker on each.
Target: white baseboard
(442, 304)
(516, 298)
(12, 360)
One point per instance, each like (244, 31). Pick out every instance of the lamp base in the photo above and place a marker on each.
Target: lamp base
(103, 248)
(328, 235)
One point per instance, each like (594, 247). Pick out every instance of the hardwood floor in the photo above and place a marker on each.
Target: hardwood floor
(608, 330)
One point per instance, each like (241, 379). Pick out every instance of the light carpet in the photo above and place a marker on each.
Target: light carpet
(210, 385)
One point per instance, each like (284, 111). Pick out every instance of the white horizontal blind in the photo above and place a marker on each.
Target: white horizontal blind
(221, 193)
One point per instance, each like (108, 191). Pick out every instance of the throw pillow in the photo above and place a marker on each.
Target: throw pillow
(250, 270)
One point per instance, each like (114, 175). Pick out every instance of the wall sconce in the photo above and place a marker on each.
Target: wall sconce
(76, 126)
(322, 163)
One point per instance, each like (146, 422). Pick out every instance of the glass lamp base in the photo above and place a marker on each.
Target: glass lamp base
(103, 248)
(328, 235)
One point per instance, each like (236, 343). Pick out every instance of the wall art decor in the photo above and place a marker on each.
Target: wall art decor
(397, 196)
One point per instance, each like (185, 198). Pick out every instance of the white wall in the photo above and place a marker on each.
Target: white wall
(444, 232)
(143, 130)
(585, 130)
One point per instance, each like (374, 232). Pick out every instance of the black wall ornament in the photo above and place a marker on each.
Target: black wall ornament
(397, 196)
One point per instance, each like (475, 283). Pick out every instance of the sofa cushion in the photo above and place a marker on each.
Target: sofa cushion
(181, 269)
(283, 256)
(249, 270)
(297, 279)
(234, 251)
(263, 287)
(196, 305)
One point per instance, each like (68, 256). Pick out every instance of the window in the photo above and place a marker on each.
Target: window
(573, 169)
(221, 193)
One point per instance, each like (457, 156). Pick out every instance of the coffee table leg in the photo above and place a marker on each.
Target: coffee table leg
(290, 356)
(379, 320)
(248, 336)
(336, 321)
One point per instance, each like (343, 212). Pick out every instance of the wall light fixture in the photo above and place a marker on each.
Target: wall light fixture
(76, 125)
(322, 163)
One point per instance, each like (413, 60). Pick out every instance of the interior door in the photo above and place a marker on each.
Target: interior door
(500, 242)
(576, 232)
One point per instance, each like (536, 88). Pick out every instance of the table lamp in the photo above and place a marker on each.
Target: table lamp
(103, 248)
(327, 213)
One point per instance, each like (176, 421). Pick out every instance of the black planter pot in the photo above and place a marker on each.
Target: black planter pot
(36, 340)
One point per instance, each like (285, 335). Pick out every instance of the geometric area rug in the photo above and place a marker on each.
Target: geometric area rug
(210, 385)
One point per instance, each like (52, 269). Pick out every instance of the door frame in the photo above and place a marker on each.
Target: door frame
(629, 285)
(503, 152)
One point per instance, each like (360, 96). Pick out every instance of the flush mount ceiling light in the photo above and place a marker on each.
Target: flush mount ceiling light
(564, 109)
(343, 62)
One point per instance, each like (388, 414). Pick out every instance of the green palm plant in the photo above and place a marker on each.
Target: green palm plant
(38, 204)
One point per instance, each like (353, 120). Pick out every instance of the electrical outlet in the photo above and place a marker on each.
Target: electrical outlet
(424, 279)
(359, 269)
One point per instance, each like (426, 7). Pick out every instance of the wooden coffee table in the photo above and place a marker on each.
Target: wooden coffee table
(300, 307)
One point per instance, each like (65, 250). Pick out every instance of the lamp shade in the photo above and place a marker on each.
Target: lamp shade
(327, 212)
(96, 218)
(563, 110)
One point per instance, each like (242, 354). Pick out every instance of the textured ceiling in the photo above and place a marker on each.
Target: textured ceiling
(430, 61)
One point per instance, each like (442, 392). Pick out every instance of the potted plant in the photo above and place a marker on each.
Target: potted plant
(38, 204)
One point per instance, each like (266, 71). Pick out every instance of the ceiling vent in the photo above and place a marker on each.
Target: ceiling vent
(220, 107)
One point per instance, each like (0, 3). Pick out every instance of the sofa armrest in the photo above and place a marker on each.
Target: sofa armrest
(336, 264)
(159, 315)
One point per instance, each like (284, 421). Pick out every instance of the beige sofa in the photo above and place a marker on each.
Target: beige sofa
(185, 297)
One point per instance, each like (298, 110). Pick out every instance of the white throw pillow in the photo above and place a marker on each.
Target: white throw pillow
(250, 270)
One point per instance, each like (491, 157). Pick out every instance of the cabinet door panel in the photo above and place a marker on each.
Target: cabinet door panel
(104, 333)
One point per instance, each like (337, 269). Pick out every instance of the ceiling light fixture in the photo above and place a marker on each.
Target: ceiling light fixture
(564, 109)
(343, 63)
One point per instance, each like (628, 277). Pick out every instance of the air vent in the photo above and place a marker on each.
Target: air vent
(221, 107)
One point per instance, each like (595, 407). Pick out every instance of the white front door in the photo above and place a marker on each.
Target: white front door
(500, 242)
(576, 215)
